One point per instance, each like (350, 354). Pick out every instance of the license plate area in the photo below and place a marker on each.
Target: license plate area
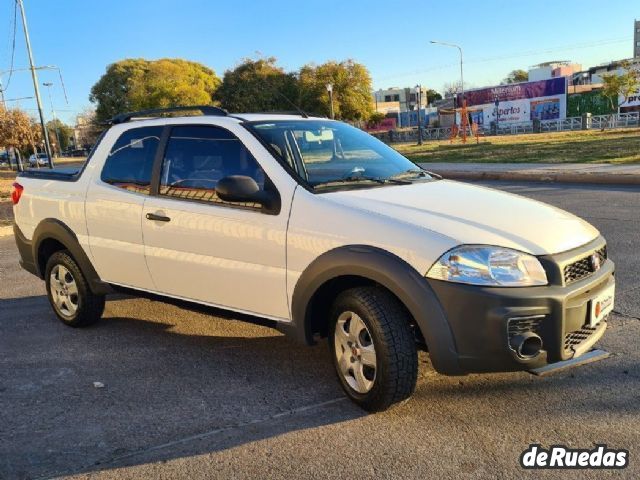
(601, 305)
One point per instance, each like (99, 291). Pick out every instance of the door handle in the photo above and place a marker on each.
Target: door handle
(157, 218)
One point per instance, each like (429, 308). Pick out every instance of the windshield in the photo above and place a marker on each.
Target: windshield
(329, 154)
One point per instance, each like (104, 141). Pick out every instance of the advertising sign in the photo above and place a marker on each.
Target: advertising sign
(632, 101)
(384, 125)
(589, 102)
(520, 102)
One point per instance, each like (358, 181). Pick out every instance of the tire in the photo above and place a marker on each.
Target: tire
(69, 294)
(367, 317)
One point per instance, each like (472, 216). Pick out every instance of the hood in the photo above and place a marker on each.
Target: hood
(475, 215)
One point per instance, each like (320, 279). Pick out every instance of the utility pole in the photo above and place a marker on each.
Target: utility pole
(4, 105)
(34, 76)
(53, 114)
(330, 90)
(419, 104)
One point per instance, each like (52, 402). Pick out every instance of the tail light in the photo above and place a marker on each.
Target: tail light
(16, 193)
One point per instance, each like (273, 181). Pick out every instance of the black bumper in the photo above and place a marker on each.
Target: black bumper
(482, 319)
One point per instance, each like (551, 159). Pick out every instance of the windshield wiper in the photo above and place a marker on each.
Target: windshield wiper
(413, 173)
(362, 179)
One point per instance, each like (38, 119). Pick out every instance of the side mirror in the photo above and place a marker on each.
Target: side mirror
(240, 188)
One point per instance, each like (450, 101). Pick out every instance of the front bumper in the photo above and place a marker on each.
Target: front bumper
(484, 319)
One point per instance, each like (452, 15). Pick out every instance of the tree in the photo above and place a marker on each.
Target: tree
(257, 86)
(432, 96)
(516, 76)
(451, 89)
(60, 133)
(139, 84)
(18, 130)
(375, 118)
(623, 85)
(351, 89)
(87, 129)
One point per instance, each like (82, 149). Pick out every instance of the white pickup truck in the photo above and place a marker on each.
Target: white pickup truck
(323, 231)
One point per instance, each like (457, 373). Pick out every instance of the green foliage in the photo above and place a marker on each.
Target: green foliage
(432, 96)
(375, 118)
(516, 76)
(59, 133)
(257, 86)
(138, 84)
(252, 86)
(351, 89)
(589, 102)
(623, 85)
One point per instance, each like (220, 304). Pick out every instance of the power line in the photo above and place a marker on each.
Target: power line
(13, 45)
(517, 55)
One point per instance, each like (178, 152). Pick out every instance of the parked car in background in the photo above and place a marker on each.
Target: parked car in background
(41, 159)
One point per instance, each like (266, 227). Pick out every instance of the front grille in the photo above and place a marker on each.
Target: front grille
(573, 339)
(584, 267)
(520, 325)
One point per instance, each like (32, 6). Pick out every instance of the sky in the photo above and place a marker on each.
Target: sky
(391, 38)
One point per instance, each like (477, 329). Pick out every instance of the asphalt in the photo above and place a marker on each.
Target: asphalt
(190, 395)
(590, 173)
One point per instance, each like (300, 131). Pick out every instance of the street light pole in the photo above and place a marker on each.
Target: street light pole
(53, 114)
(497, 103)
(34, 76)
(418, 103)
(463, 111)
(330, 90)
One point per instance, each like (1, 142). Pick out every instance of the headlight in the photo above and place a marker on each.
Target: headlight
(492, 266)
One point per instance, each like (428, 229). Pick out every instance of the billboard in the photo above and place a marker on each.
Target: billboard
(518, 102)
(632, 101)
(592, 102)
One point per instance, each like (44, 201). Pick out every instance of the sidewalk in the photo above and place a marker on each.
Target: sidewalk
(599, 173)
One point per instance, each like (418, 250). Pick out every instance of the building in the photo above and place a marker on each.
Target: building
(595, 74)
(404, 98)
(553, 69)
(636, 39)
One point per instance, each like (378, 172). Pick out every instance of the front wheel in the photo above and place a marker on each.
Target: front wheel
(69, 294)
(373, 347)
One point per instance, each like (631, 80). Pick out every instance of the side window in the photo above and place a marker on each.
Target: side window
(130, 160)
(197, 157)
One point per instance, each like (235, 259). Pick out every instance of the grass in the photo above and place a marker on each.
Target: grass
(590, 146)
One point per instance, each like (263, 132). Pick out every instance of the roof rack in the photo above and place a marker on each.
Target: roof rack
(204, 109)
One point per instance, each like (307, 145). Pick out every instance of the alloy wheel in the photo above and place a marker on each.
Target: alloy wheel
(355, 352)
(64, 291)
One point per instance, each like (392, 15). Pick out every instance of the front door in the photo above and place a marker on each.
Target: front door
(201, 248)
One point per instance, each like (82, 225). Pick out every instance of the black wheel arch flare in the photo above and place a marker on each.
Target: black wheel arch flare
(389, 271)
(54, 229)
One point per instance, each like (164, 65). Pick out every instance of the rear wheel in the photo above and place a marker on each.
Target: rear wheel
(373, 348)
(69, 294)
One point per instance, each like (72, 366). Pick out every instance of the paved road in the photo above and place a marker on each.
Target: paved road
(191, 395)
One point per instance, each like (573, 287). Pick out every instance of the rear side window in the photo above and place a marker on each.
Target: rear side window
(130, 160)
(197, 157)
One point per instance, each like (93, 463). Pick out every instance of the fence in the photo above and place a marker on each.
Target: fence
(619, 120)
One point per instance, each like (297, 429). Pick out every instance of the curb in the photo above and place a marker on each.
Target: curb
(6, 231)
(555, 177)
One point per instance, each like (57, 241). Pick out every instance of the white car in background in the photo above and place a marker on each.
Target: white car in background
(39, 159)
